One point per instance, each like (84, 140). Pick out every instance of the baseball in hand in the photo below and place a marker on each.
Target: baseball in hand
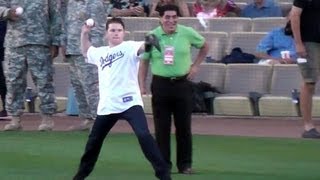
(19, 10)
(90, 22)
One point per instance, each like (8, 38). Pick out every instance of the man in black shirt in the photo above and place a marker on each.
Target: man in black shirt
(305, 25)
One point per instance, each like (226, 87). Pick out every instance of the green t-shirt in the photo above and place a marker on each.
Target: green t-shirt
(181, 41)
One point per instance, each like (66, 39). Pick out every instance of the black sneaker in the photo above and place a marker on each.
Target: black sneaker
(312, 133)
(187, 171)
(78, 177)
(167, 177)
(4, 116)
(3, 113)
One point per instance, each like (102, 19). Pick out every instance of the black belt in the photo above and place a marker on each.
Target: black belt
(171, 79)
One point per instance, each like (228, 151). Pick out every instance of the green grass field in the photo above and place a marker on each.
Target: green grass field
(55, 156)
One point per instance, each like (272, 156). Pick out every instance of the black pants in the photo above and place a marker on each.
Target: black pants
(3, 87)
(102, 126)
(173, 97)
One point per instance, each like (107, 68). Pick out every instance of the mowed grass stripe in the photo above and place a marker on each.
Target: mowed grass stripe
(55, 155)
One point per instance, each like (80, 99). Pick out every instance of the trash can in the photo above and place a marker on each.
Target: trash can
(72, 104)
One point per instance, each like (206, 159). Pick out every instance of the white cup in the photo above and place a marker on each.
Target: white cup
(301, 60)
(285, 54)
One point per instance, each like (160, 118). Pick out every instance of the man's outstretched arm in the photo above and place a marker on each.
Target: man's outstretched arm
(84, 41)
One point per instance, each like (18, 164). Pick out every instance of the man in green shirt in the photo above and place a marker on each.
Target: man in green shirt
(172, 68)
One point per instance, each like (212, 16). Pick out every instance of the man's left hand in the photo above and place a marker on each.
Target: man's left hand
(138, 10)
(193, 71)
(54, 51)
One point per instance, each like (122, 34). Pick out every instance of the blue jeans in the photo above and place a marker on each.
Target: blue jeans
(102, 126)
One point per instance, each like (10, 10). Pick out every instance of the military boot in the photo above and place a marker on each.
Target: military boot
(14, 124)
(46, 123)
(85, 125)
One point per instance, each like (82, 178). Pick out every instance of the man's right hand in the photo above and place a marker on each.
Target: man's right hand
(12, 14)
(301, 50)
(85, 29)
(84, 39)
(143, 90)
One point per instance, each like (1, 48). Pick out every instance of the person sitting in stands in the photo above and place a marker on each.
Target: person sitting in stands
(183, 7)
(261, 8)
(215, 8)
(277, 47)
(125, 8)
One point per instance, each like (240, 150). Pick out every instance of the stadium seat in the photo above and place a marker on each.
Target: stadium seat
(316, 101)
(316, 105)
(281, 1)
(285, 7)
(61, 79)
(140, 23)
(244, 78)
(217, 42)
(240, 80)
(213, 73)
(61, 104)
(266, 24)
(230, 24)
(138, 35)
(285, 78)
(247, 41)
(147, 103)
(191, 22)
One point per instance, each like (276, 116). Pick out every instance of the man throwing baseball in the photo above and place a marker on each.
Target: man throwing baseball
(120, 96)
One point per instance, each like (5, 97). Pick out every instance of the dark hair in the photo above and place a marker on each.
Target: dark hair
(115, 20)
(168, 7)
(288, 29)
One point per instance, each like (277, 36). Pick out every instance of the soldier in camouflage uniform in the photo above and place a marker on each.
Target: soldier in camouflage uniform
(31, 42)
(84, 76)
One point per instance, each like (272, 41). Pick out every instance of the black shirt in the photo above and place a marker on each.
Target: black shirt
(309, 20)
